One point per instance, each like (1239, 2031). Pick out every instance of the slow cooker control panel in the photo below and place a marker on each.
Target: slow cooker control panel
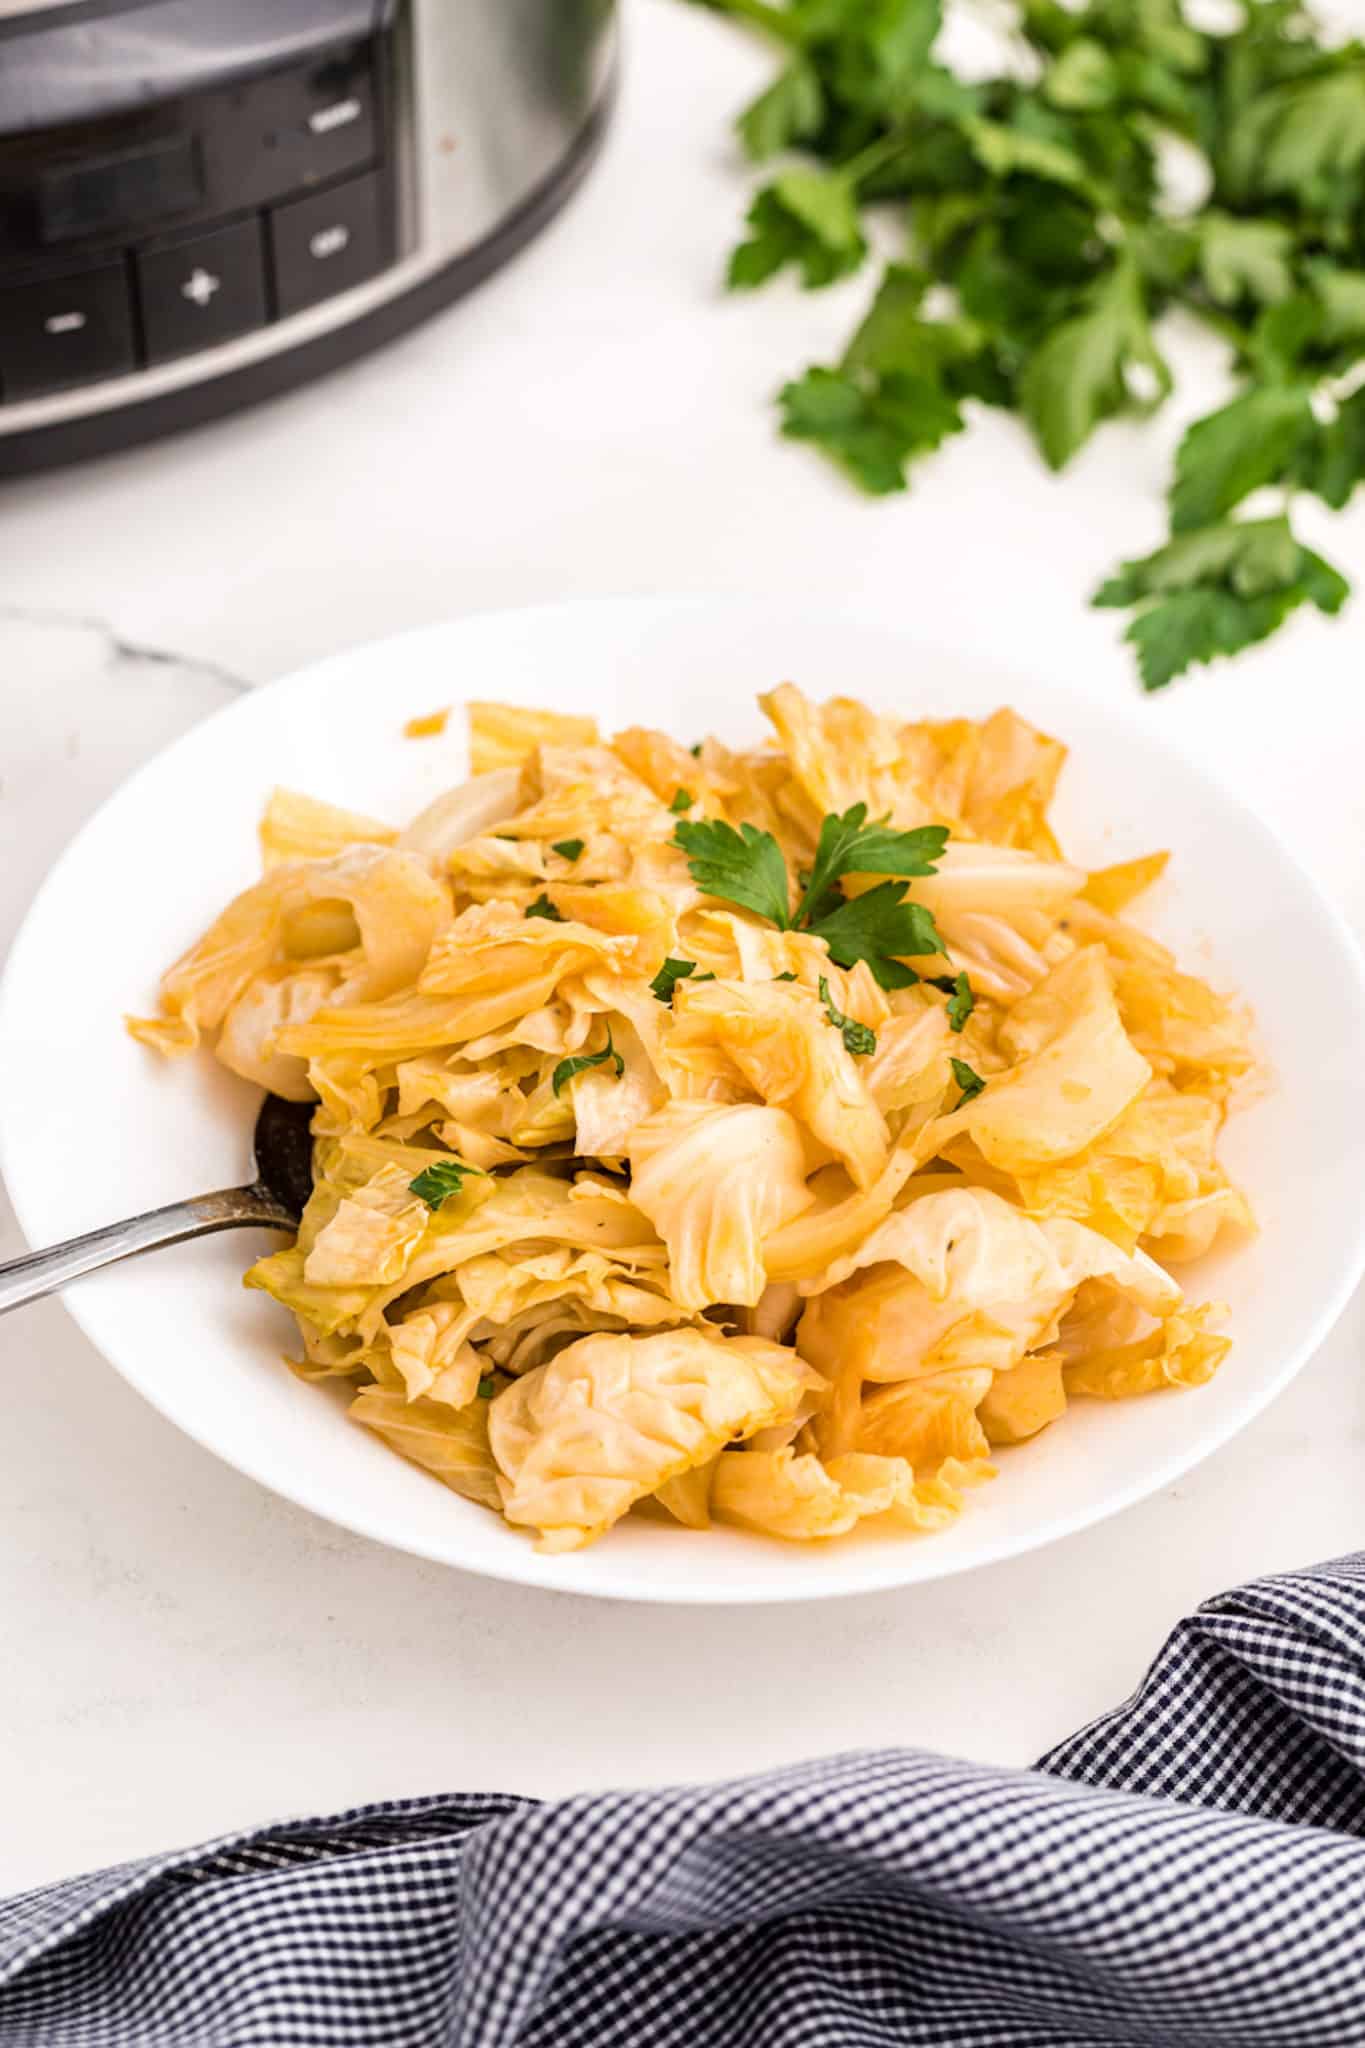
(171, 228)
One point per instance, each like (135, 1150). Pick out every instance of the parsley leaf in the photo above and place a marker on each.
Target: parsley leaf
(1334, 463)
(1080, 373)
(848, 845)
(669, 975)
(1217, 590)
(871, 427)
(1245, 259)
(805, 217)
(542, 907)
(968, 1080)
(1298, 138)
(1082, 75)
(860, 1039)
(570, 848)
(487, 1387)
(789, 111)
(961, 998)
(439, 1181)
(1236, 450)
(880, 927)
(683, 800)
(580, 1063)
(744, 867)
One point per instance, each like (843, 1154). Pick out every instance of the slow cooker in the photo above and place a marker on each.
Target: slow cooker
(203, 202)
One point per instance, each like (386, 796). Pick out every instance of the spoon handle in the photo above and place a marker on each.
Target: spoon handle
(39, 1273)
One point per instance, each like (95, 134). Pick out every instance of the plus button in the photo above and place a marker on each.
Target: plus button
(200, 286)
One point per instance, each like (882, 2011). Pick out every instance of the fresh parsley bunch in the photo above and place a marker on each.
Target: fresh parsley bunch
(1041, 253)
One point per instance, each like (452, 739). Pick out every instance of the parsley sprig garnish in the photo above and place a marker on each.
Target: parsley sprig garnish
(542, 907)
(745, 866)
(582, 1061)
(860, 1039)
(442, 1179)
(968, 1080)
(848, 845)
(961, 999)
(669, 975)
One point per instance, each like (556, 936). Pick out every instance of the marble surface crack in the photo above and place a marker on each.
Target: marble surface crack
(120, 647)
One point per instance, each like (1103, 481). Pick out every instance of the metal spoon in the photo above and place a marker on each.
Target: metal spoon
(273, 1201)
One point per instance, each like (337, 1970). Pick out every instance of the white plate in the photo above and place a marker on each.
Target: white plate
(93, 1127)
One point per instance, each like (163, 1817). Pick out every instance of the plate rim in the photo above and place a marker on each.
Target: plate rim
(877, 1572)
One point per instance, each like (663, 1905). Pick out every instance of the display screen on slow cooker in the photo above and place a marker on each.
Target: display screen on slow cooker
(123, 190)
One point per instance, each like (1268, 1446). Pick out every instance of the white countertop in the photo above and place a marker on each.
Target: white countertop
(189, 1654)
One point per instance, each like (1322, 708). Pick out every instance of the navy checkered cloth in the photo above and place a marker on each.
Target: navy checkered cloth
(1188, 1870)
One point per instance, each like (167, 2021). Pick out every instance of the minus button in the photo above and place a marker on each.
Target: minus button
(340, 114)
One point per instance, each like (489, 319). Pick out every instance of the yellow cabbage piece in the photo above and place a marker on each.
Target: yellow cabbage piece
(463, 813)
(505, 735)
(493, 951)
(586, 791)
(487, 969)
(430, 1350)
(841, 753)
(1188, 1032)
(1009, 777)
(1152, 1177)
(910, 1065)
(394, 910)
(1023, 1400)
(450, 1443)
(1075, 1071)
(793, 1495)
(779, 1037)
(295, 827)
(623, 910)
(998, 881)
(608, 1106)
(371, 1238)
(659, 761)
(925, 1421)
(715, 1180)
(613, 1418)
(528, 1206)
(960, 1278)
(688, 1497)
(1114, 888)
(1181, 1352)
(1186, 1230)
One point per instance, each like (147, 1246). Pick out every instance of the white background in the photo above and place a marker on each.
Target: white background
(188, 1654)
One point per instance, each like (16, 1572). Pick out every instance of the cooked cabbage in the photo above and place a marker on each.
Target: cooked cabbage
(627, 1194)
(613, 1418)
(715, 1180)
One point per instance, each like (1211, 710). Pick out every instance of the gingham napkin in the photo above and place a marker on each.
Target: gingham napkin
(1188, 1870)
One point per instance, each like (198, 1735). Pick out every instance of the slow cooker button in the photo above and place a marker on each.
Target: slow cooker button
(327, 242)
(201, 289)
(68, 330)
